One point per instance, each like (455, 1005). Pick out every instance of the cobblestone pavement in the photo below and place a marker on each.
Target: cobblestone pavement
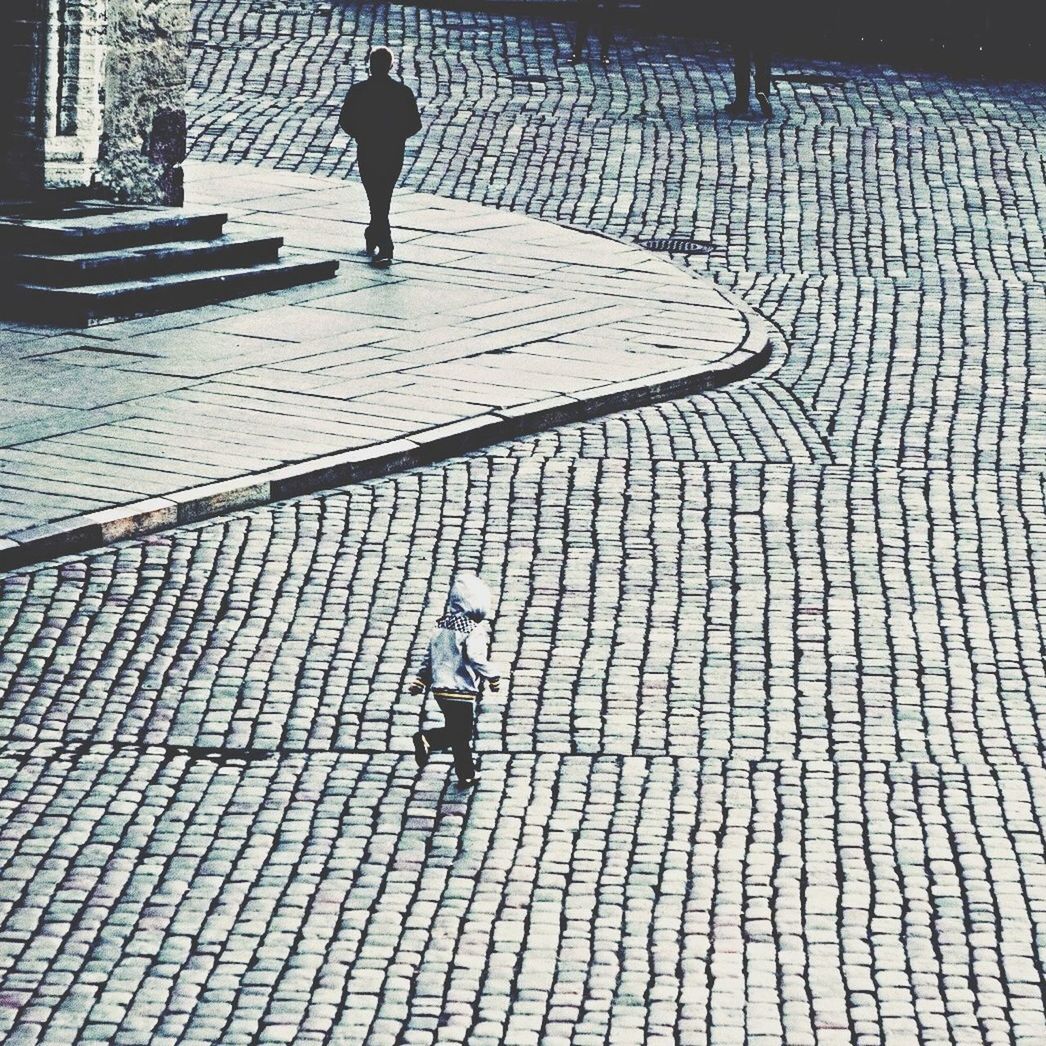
(770, 765)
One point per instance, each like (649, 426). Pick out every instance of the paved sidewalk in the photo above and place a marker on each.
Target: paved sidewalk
(491, 324)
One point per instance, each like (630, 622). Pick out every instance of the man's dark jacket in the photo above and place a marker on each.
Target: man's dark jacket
(381, 114)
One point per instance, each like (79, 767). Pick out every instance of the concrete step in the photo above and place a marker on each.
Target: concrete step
(139, 263)
(82, 306)
(77, 231)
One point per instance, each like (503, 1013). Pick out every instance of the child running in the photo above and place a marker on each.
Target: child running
(455, 667)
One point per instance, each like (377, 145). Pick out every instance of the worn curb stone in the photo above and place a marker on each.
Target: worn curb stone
(47, 541)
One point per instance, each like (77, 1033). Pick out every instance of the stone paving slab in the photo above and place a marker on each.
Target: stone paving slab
(483, 329)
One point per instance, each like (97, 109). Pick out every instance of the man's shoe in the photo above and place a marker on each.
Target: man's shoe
(764, 104)
(382, 260)
(467, 782)
(421, 750)
(736, 108)
(576, 56)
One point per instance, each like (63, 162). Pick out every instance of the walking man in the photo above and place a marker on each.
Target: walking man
(751, 38)
(603, 13)
(381, 114)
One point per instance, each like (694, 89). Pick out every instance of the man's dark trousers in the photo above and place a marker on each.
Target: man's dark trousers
(603, 13)
(381, 114)
(379, 170)
(459, 716)
(753, 28)
(751, 50)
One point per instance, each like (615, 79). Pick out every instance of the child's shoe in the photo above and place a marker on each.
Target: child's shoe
(421, 750)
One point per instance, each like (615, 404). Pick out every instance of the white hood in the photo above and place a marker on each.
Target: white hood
(470, 595)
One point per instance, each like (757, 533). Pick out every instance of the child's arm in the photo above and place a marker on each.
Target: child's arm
(477, 649)
(423, 679)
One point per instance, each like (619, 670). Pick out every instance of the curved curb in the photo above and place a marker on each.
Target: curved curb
(263, 196)
(98, 529)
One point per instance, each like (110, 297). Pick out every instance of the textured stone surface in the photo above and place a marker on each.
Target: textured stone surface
(504, 314)
(93, 93)
(51, 92)
(143, 131)
(20, 86)
(769, 769)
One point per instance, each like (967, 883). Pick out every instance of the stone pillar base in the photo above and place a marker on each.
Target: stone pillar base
(91, 98)
(143, 127)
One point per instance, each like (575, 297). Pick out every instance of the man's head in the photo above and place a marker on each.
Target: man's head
(380, 61)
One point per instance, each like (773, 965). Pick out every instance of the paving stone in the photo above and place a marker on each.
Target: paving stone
(769, 766)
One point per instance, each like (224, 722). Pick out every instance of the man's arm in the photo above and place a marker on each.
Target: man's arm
(412, 118)
(347, 119)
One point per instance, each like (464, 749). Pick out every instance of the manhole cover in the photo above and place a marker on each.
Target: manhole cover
(677, 245)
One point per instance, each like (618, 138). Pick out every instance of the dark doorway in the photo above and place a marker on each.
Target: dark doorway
(22, 50)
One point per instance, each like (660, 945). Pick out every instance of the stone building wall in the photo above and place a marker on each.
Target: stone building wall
(143, 140)
(92, 97)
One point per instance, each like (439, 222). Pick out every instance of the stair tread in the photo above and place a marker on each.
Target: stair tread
(106, 290)
(109, 222)
(149, 250)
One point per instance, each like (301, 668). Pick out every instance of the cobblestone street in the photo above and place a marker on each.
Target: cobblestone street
(769, 766)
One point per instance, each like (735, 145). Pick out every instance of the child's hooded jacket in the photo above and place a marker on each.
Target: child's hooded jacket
(457, 659)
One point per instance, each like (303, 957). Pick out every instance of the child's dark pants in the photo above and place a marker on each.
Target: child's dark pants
(459, 716)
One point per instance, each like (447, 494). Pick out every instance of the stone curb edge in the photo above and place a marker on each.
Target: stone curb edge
(98, 529)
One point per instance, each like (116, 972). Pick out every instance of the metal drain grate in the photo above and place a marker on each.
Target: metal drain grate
(676, 245)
